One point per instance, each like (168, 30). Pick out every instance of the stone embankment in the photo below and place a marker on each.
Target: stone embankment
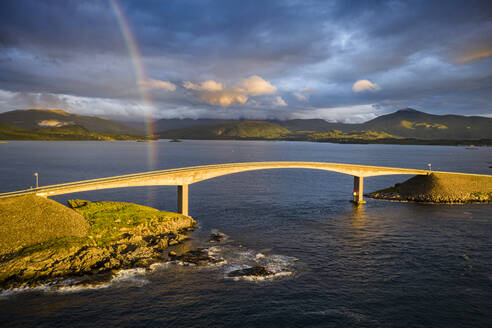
(93, 237)
(440, 188)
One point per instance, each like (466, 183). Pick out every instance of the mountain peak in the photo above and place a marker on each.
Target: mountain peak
(408, 110)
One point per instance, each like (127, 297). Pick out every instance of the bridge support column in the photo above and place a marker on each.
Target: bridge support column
(358, 190)
(183, 199)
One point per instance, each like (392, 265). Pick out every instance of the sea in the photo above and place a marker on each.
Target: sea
(382, 264)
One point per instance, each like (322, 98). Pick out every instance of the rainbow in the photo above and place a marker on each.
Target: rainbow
(140, 78)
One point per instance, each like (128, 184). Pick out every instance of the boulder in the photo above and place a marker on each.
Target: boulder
(256, 271)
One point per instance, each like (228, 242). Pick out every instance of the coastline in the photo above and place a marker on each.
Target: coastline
(471, 144)
(120, 236)
(439, 188)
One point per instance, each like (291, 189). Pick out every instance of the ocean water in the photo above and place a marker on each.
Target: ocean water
(384, 264)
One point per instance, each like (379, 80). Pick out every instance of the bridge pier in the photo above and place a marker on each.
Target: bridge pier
(183, 199)
(358, 190)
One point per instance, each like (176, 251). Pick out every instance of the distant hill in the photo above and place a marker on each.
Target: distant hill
(34, 124)
(176, 123)
(403, 126)
(315, 125)
(43, 118)
(230, 130)
(293, 125)
(410, 123)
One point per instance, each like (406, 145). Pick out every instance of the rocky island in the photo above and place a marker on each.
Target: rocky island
(440, 188)
(42, 240)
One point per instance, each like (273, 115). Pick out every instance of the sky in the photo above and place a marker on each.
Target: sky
(346, 61)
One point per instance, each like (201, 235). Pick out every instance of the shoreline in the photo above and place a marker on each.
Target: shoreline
(120, 236)
(439, 188)
(470, 144)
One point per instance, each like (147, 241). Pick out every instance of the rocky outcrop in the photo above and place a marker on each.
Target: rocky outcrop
(136, 237)
(256, 271)
(217, 237)
(199, 256)
(30, 220)
(440, 188)
(32, 268)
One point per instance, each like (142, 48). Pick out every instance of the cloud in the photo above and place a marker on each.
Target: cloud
(158, 84)
(81, 105)
(255, 85)
(346, 114)
(224, 99)
(209, 85)
(36, 100)
(217, 93)
(303, 94)
(476, 55)
(279, 102)
(365, 85)
(327, 45)
(301, 97)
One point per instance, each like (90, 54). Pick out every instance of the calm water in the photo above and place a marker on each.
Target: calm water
(382, 265)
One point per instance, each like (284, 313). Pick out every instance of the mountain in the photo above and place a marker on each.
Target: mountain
(316, 125)
(403, 126)
(176, 123)
(230, 130)
(30, 119)
(293, 125)
(411, 123)
(34, 124)
(408, 126)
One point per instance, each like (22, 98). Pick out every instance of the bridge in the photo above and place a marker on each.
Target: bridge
(183, 177)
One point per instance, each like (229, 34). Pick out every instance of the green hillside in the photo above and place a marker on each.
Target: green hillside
(35, 119)
(33, 124)
(317, 125)
(410, 123)
(70, 132)
(231, 130)
(406, 126)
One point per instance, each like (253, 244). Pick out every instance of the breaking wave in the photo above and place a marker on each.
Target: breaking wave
(228, 258)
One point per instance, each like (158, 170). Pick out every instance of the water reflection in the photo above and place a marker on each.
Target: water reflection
(358, 219)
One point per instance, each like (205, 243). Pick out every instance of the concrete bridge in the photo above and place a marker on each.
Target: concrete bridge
(183, 177)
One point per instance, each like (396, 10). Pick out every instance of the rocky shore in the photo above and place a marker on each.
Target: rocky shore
(112, 236)
(440, 188)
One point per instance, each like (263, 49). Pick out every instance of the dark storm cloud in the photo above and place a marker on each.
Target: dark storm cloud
(431, 54)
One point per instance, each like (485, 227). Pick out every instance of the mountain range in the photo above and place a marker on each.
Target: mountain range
(401, 125)
(56, 124)
(407, 126)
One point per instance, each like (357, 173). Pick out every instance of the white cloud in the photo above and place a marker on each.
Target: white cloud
(346, 114)
(255, 85)
(279, 102)
(158, 84)
(209, 85)
(224, 99)
(365, 85)
(217, 93)
(80, 105)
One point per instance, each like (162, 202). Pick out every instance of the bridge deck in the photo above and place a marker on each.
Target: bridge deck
(189, 175)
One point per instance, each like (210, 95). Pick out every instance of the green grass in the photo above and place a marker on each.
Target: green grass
(109, 220)
(71, 132)
(230, 130)
(251, 129)
(356, 135)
